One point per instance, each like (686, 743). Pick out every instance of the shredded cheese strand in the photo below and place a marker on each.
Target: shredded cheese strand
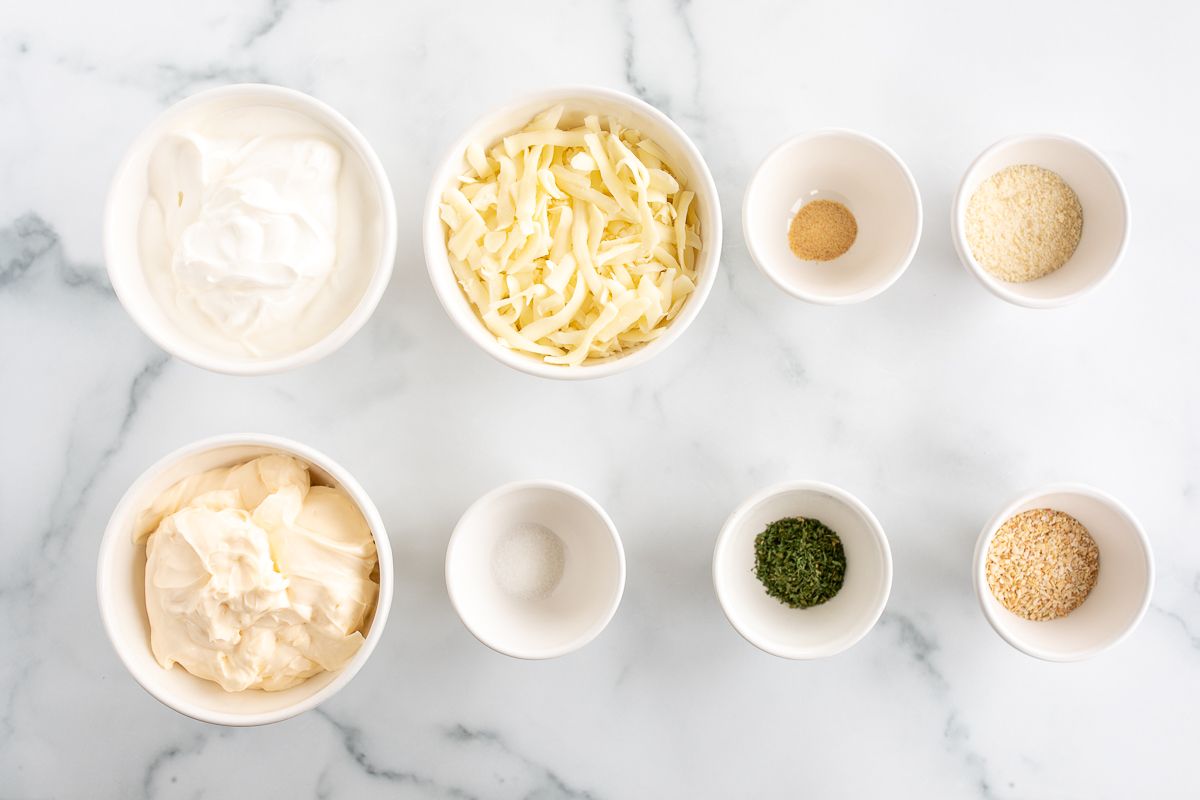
(574, 243)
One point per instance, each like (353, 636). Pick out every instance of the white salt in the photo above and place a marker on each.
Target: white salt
(528, 561)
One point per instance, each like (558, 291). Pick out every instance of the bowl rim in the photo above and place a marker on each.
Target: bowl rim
(344, 330)
(815, 297)
(437, 262)
(999, 288)
(979, 571)
(458, 539)
(114, 530)
(837, 493)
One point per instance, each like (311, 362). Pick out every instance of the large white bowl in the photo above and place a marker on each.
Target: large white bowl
(580, 606)
(121, 575)
(1117, 602)
(851, 168)
(128, 192)
(629, 111)
(803, 633)
(1105, 217)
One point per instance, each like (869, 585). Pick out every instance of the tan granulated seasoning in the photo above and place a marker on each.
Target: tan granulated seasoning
(1042, 564)
(1023, 223)
(821, 230)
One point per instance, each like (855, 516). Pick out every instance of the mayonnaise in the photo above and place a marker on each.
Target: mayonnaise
(252, 232)
(256, 579)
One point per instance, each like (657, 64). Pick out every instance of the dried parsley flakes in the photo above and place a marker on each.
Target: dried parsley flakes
(799, 561)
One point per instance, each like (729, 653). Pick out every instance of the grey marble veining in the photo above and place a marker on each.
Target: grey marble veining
(934, 403)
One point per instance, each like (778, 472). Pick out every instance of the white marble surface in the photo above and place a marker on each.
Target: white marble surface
(934, 403)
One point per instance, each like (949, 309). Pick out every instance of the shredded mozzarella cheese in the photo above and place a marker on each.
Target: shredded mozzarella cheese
(573, 244)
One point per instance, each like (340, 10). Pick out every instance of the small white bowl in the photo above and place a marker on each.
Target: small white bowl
(629, 111)
(1105, 217)
(1123, 587)
(856, 170)
(128, 192)
(803, 633)
(121, 582)
(583, 602)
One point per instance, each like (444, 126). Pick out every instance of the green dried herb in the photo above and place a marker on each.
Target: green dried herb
(799, 561)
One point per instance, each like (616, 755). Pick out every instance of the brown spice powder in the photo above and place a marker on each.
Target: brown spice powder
(822, 230)
(1042, 564)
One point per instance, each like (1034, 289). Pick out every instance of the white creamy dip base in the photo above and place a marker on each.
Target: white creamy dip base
(255, 578)
(253, 233)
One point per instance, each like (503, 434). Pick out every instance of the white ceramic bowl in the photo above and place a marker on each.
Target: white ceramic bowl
(120, 586)
(856, 170)
(1105, 217)
(128, 192)
(583, 602)
(631, 112)
(803, 633)
(1117, 602)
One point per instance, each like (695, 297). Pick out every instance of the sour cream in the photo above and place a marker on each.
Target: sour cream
(252, 230)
